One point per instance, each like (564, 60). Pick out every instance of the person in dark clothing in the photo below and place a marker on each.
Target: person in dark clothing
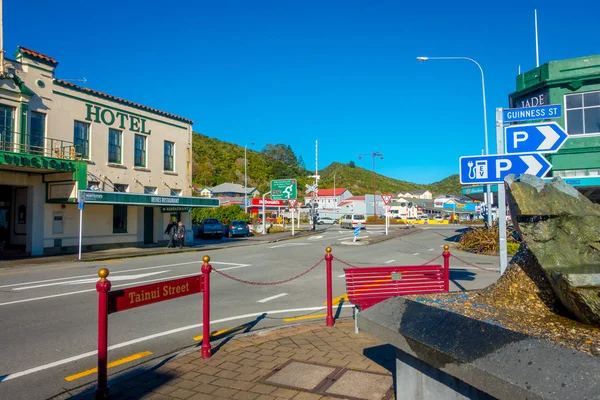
(180, 234)
(171, 229)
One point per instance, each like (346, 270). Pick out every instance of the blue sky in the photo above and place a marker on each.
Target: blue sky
(342, 72)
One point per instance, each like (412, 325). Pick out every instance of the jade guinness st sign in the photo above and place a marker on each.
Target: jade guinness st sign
(117, 119)
(95, 197)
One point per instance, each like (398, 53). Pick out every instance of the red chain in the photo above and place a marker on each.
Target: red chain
(268, 283)
(430, 261)
(473, 265)
(345, 263)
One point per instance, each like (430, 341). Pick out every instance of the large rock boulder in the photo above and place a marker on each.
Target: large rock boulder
(561, 228)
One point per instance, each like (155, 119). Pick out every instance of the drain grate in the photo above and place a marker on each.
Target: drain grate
(332, 381)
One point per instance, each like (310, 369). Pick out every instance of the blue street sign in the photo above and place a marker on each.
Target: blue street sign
(494, 168)
(356, 231)
(80, 205)
(546, 137)
(532, 113)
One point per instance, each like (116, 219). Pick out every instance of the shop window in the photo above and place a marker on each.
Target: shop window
(81, 139)
(149, 190)
(121, 188)
(114, 146)
(175, 192)
(169, 155)
(37, 131)
(583, 113)
(119, 218)
(140, 151)
(6, 127)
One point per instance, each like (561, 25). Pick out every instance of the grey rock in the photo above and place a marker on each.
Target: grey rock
(561, 228)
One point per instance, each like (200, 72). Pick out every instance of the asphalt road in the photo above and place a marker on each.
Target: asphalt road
(48, 313)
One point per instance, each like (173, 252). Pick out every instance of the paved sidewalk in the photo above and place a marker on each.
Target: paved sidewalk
(320, 362)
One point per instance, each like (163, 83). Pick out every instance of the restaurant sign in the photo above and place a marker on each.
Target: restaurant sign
(126, 299)
(96, 197)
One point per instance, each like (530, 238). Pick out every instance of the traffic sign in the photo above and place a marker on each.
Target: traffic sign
(283, 189)
(494, 168)
(386, 198)
(80, 205)
(357, 231)
(531, 113)
(311, 188)
(543, 138)
(423, 204)
(292, 203)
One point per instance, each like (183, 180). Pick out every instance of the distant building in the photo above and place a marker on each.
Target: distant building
(354, 204)
(203, 192)
(420, 194)
(230, 190)
(331, 198)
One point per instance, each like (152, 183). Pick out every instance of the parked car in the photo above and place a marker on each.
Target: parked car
(238, 227)
(351, 221)
(210, 227)
(424, 217)
(438, 218)
(327, 221)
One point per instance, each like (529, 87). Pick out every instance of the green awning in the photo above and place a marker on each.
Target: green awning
(134, 199)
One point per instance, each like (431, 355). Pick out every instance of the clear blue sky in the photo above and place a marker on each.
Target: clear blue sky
(342, 72)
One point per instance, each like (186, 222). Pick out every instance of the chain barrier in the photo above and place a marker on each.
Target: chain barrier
(430, 261)
(268, 283)
(344, 262)
(473, 265)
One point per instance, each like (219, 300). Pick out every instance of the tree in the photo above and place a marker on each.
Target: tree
(351, 164)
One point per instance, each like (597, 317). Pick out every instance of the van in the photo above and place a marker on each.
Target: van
(351, 221)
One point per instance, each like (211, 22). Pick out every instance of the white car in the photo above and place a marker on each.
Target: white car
(351, 221)
(438, 218)
(424, 217)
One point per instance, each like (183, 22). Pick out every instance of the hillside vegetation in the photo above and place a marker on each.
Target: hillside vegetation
(217, 162)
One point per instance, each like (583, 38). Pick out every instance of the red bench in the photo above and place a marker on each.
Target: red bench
(369, 286)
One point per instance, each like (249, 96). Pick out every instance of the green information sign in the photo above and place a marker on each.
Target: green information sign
(283, 189)
(94, 197)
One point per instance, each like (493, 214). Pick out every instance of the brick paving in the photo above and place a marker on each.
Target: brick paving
(235, 370)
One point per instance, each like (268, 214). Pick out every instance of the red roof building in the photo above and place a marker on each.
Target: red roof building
(331, 192)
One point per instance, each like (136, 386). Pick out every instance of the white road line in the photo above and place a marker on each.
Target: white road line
(154, 336)
(288, 245)
(416, 254)
(430, 250)
(342, 276)
(389, 261)
(315, 237)
(92, 280)
(114, 286)
(272, 298)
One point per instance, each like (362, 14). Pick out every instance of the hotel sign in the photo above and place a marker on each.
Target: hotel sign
(118, 119)
(40, 162)
(126, 299)
(96, 197)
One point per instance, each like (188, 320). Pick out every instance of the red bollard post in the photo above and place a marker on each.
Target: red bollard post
(206, 268)
(102, 287)
(328, 262)
(446, 255)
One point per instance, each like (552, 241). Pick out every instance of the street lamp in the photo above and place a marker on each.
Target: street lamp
(373, 155)
(246, 179)
(485, 129)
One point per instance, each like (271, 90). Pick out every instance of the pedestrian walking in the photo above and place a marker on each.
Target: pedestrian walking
(180, 234)
(171, 228)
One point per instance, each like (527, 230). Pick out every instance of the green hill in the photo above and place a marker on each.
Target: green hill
(216, 162)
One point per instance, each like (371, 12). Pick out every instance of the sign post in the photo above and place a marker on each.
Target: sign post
(292, 204)
(80, 206)
(501, 197)
(386, 200)
(284, 189)
(264, 232)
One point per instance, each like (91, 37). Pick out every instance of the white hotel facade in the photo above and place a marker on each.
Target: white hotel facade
(131, 163)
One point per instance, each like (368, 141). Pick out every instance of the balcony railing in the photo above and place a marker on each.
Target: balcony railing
(38, 145)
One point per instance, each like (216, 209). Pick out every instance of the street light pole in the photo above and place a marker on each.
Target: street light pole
(246, 179)
(373, 155)
(485, 129)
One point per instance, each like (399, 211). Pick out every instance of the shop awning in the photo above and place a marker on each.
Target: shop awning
(148, 200)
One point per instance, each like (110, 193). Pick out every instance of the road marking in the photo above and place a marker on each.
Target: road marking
(416, 254)
(116, 363)
(114, 286)
(272, 298)
(315, 237)
(150, 337)
(337, 300)
(304, 317)
(342, 276)
(430, 250)
(288, 245)
(389, 261)
(93, 280)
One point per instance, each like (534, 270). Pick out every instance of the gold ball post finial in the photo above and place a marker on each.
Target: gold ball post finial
(328, 250)
(206, 259)
(103, 274)
(446, 247)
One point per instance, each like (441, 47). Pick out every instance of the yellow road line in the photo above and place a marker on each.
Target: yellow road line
(121, 361)
(217, 333)
(337, 300)
(304, 317)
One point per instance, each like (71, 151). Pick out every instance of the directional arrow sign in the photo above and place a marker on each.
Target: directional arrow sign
(544, 138)
(494, 168)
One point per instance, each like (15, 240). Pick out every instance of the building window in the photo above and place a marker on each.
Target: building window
(175, 192)
(81, 139)
(6, 128)
(149, 190)
(114, 146)
(140, 151)
(169, 155)
(583, 113)
(37, 131)
(120, 212)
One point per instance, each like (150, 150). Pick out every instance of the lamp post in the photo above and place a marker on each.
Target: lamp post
(246, 179)
(373, 155)
(485, 129)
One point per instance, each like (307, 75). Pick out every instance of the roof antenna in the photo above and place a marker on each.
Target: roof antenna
(537, 49)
